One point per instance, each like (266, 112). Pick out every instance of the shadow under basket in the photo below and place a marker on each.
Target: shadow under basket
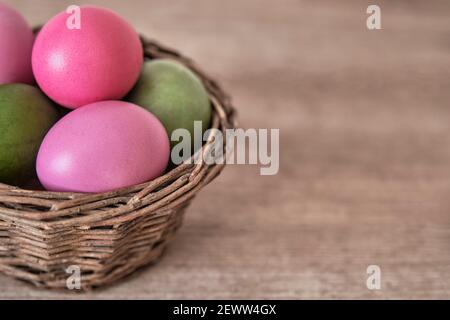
(107, 235)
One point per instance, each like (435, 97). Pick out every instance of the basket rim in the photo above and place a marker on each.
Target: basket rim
(51, 203)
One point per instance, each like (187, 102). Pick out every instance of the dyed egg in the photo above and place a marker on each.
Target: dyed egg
(99, 61)
(101, 147)
(16, 43)
(25, 117)
(174, 94)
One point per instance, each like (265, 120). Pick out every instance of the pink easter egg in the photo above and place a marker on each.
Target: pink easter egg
(16, 43)
(99, 61)
(101, 147)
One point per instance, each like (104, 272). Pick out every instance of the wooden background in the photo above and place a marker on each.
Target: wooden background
(365, 151)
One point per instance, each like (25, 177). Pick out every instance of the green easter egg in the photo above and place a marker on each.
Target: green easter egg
(174, 94)
(25, 117)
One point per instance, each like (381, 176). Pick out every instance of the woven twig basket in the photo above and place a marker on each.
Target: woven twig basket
(108, 235)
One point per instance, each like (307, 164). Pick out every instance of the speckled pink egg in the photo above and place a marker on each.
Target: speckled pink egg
(16, 43)
(101, 147)
(100, 61)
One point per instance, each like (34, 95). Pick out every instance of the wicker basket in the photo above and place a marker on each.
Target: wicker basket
(108, 235)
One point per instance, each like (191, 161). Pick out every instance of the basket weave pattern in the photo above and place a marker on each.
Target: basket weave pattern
(108, 235)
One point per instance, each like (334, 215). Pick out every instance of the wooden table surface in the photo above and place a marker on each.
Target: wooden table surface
(364, 119)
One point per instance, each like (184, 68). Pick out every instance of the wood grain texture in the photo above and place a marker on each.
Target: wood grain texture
(365, 151)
